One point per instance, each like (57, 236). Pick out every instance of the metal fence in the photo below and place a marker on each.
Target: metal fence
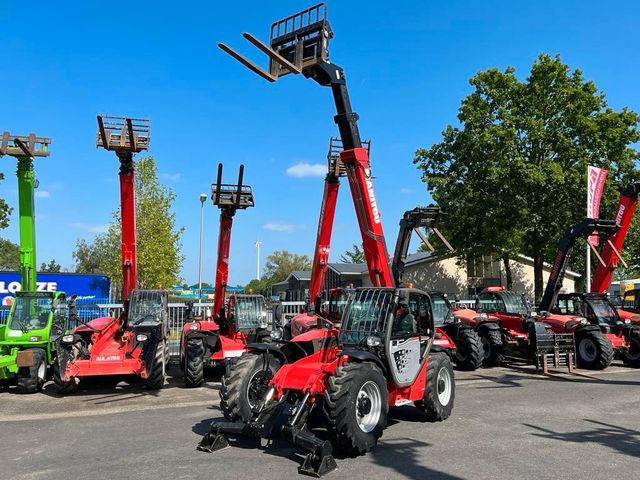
(91, 311)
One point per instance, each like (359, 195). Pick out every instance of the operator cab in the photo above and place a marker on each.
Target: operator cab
(396, 325)
(631, 301)
(247, 312)
(442, 310)
(595, 307)
(147, 308)
(503, 301)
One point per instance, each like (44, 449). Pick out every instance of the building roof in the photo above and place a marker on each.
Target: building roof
(300, 275)
(418, 257)
(349, 268)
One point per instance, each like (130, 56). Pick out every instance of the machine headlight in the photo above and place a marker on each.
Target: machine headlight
(276, 334)
(582, 320)
(141, 337)
(67, 339)
(483, 316)
(35, 338)
(627, 321)
(373, 341)
(264, 324)
(193, 326)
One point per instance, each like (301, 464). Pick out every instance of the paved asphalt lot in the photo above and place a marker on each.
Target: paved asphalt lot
(507, 424)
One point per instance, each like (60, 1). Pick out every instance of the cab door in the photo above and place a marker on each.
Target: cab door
(410, 338)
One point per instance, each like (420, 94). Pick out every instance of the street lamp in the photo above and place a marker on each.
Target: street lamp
(258, 243)
(203, 198)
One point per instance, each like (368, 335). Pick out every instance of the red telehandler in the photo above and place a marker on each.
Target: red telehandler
(136, 341)
(235, 321)
(599, 331)
(383, 355)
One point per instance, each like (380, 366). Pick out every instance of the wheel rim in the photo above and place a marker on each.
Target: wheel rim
(42, 371)
(257, 387)
(444, 384)
(486, 347)
(368, 406)
(588, 350)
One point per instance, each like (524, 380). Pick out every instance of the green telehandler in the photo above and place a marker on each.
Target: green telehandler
(36, 319)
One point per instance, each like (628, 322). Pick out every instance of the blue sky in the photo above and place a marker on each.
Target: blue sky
(408, 67)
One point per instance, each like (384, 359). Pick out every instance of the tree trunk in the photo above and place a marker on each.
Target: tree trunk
(538, 282)
(507, 271)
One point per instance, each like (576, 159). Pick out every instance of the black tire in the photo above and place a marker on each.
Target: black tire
(468, 350)
(155, 379)
(62, 387)
(491, 344)
(31, 379)
(194, 363)
(244, 384)
(593, 350)
(631, 356)
(440, 392)
(355, 407)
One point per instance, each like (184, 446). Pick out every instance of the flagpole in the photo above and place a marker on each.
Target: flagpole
(588, 261)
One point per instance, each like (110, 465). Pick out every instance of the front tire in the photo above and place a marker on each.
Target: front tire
(194, 363)
(440, 392)
(593, 350)
(355, 407)
(31, 379)
(155, 379)
(491, 347)
(468, 350)
(245, 383)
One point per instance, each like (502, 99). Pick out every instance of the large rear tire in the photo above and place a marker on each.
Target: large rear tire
(355, 407)
(157, 374)
(245, 384)
(31, 379)
(593, 350)
(440, 392)
(62, 387)
(468, 350)
(194, 363)
(491, 347)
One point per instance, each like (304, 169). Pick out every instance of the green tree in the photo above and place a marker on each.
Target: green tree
(512, 176)
(5, 210)
(355, 255)
(158, 247)
(281, 263)
(261, 286)
(51, 267)
(9, 256)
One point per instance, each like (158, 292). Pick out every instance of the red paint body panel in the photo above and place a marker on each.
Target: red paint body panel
(128, 225)
(412, 393)
(442, 339)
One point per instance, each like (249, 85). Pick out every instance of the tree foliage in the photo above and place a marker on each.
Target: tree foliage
(512, 176)
(278, 266)
(9, 256)
(158, 238)
(5, 210)
(51, 267)
(355, 255)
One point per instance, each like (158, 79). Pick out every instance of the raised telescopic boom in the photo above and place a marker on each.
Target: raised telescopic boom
(126, 136)
(228, 198)
(24, 149)
(613, 246)
(325, 221)
(300, 44)
(583, 229)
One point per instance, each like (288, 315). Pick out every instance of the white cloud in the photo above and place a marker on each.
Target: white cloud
(304, 169)
(279, 227)
(91, 228)
(172, 177)
(406, 190)
(41, 194)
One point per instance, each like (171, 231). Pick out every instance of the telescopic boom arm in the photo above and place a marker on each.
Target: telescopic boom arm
(126, 136)
(228, 198)
(583, 229)
(300, 44)
(24, 149)
(613, 246)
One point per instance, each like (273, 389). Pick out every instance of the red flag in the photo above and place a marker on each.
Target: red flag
(597, 176)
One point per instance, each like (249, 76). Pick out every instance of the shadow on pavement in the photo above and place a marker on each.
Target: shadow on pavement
(403, 455)
(621, 439)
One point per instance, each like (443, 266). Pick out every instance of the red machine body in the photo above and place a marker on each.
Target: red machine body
(135, 342)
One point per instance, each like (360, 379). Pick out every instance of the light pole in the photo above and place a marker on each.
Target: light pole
(203, 198)
(258, 243)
